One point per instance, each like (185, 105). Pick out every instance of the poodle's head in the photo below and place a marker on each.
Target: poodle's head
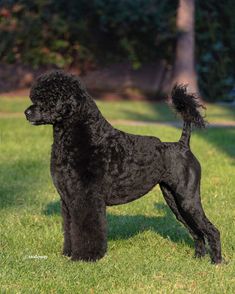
(56, 96)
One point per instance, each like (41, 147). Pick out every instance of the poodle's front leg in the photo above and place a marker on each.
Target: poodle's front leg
(88, 228)
(67, 250)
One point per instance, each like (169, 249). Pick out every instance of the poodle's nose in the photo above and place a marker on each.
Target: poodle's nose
(28, 112)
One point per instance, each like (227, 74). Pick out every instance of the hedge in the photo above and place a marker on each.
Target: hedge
(87, 33)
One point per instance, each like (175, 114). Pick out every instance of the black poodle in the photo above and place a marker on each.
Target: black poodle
(94, 165)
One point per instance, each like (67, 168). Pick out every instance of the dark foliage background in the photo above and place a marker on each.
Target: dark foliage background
(97, 32)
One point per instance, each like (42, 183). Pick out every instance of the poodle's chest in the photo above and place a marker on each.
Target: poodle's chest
(66, 181)
(63, 175)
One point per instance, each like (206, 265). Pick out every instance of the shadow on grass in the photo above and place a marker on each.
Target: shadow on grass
(223, 139)
(19, 181)
(123, 227)
(52, 208)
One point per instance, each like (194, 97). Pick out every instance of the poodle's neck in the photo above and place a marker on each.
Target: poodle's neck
(88, 126)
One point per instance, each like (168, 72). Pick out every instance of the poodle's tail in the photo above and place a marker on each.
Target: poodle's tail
(187, 105)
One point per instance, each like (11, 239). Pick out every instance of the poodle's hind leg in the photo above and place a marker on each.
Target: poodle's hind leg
(199, 241)
(189, 204)
(88, 228)
(193, 211)
(66, 228)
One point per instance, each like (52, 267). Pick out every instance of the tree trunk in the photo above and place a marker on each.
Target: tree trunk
(184, 67)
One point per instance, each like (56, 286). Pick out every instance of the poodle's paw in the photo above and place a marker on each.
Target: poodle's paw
(199, 253)
(67, 252)
(77, 257)
(217, 260)
(86, 257)
(200, 249)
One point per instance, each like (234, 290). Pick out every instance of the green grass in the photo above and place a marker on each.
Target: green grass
(149, 251)
(131, 110)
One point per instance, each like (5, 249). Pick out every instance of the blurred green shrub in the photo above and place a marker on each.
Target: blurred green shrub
(215, 47)
(84, 33)
(65, 32)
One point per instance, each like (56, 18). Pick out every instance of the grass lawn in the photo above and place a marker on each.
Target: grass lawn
(149, 251)
(131, 110)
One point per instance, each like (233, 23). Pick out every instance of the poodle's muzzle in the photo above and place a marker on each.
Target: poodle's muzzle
(34, 115)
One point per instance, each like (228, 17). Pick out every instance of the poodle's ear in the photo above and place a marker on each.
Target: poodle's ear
(68, 107)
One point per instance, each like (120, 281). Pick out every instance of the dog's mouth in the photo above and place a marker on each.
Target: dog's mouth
(34, 116)
(33, 121)
(37, 123)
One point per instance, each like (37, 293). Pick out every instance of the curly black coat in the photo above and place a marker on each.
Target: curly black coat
(94, 165)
